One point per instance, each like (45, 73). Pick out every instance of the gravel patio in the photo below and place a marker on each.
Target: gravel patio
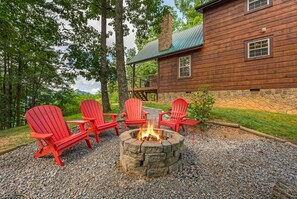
(226, 163)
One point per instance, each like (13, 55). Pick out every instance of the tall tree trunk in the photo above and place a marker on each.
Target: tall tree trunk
(35, 86)
(103, 73)
(18, 93)
(121, 70)
(9, 111)
(3, 106)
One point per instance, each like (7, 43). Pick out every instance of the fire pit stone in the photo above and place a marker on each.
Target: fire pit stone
(151, 158)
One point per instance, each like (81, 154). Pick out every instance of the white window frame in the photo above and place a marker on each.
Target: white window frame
(249, 1)
(268, 46)
(179, 66)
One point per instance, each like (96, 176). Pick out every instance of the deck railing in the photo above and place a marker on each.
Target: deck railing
(143, 82)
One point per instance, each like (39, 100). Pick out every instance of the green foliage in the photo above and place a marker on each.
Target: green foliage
(190, 17)
(30, 66)
(69, 101)
(201, 103)
(145, 71)
(147, 16)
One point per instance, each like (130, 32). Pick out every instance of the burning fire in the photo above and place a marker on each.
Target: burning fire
(149, 134)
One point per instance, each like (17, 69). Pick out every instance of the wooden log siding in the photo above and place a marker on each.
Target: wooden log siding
(221, 63)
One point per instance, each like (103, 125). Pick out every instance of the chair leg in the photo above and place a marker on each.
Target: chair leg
(176, 128)
(183, 128)
(125, 127)
(39, 153)
(97, 137)
(117, 130)
(88, 142)
(43, 151)
(58, 159)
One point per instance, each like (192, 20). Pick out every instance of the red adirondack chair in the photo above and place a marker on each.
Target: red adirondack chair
(178, 112)
(134, 115)
(52, 133)
(91, 111)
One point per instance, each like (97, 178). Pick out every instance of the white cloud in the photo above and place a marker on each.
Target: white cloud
(94, 91)
(86, 82)
(84, 85)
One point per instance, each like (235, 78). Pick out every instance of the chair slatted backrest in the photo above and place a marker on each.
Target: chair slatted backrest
(179, 107)
(92, 109)
(133, 109)
(48, 119)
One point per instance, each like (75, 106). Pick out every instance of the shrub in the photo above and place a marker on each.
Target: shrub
(201, 103)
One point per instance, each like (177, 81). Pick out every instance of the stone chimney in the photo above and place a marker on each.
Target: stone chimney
(165, 37)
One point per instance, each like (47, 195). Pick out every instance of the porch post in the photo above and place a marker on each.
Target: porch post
(133, 79)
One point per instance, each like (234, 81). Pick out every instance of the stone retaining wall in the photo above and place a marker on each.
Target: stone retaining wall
(150, 158)
(272, 100)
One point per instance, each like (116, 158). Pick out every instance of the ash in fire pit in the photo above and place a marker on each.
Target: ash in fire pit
(151, 152)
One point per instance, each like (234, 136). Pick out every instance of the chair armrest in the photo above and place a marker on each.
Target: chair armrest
(113, 116)
(110, 114)
(41, 136)
(77, 121)
(89, 118)
(81, 124)
(145, 113)
(161, 115)
(91, 122)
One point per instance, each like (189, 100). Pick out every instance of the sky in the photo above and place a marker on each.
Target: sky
(93, 86)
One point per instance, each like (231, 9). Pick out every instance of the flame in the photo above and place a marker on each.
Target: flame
(143, 135)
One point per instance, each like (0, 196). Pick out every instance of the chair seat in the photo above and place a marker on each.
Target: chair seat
(71, 140)
(138, 121)
(107, 125)
(190, 122)
(170, 123)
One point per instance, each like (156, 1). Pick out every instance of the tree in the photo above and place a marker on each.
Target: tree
(121, 70)
(28, 62)
(190, 17)
(78, 13)
(143, 14)
(103, 78)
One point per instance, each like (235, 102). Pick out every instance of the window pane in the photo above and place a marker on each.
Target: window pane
(253, 4)
(259, 48)
(265, 51)
(184, 72)
(264, 43)
(184, 66)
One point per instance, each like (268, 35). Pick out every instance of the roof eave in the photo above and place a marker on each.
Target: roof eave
(167, 55)
(206, 5)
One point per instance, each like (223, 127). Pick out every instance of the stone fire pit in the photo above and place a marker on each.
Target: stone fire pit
(151, 158)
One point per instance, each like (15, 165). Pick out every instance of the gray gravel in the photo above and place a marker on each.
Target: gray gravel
(226, 163)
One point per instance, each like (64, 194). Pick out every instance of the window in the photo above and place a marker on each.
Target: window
(258, 48)
(184, 66)
(255, 4)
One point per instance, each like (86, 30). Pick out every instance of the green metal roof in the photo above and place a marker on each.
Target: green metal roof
(183, 40)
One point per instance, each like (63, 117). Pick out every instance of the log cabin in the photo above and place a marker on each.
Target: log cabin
(245, 52)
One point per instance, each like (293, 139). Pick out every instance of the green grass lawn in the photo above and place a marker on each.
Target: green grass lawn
(276, 124)
(21, 135)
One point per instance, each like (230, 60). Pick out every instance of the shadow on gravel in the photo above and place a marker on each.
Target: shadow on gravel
(81, 150)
